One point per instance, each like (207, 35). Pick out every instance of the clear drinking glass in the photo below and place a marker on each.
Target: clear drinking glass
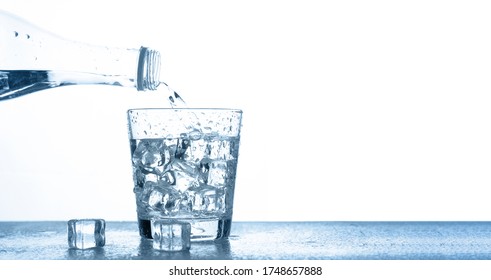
(184, 167)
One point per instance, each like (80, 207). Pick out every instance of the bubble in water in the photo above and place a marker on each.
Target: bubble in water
(195, 134)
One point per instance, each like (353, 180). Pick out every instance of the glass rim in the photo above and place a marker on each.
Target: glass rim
(185, 109)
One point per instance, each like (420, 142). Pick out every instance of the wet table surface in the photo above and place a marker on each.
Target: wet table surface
(264, 240)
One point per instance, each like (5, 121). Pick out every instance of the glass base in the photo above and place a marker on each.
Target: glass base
(201, 229)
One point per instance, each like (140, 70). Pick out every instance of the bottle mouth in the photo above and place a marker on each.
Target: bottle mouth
(148, 74)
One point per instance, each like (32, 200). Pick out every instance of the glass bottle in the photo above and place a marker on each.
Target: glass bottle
(32, 59)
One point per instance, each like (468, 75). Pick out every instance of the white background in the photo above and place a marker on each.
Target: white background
(353, 110)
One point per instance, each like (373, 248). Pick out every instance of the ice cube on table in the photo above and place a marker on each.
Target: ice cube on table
(171, 235)
(86, 233)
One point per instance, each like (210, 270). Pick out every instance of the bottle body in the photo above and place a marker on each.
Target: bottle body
(32, 59)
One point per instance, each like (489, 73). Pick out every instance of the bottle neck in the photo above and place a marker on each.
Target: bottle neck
(148, 72)
(139, 68)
